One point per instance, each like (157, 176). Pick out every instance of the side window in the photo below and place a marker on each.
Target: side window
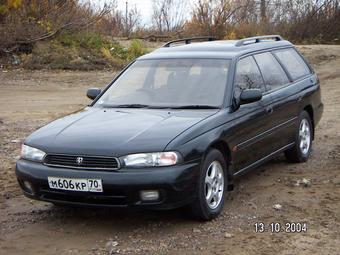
(293, 62)
(248, 76)
(273, 74)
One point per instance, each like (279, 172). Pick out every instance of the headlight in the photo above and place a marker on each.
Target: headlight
(31, 153)
(151, 159)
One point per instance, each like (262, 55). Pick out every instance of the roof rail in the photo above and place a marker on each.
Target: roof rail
(257, 39)
(189, 40)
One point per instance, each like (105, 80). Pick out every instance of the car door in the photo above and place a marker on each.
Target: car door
(285, 94)
(251, 121)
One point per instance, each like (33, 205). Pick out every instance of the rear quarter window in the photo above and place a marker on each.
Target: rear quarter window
(294, 64)
(273, 74)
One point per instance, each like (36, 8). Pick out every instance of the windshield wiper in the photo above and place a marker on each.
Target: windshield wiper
(195, 107)
(162, 107)
(129, 106)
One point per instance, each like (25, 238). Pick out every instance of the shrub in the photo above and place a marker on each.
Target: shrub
(85, 40)
(135, 50)
(82, 51)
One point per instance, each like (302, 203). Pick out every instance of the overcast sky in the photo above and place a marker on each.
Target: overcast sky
(144, 7)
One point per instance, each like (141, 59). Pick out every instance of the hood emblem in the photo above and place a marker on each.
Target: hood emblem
(79, 160)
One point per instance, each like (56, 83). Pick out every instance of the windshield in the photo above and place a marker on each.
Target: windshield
(173, 83)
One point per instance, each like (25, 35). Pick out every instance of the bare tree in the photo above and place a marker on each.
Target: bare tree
(112, 23)
(119, 23)
(132, 20)
(213, 17)
(169, 15)
(263, 10)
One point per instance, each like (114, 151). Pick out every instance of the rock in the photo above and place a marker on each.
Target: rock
(252, 205)
(196, 231)
(277, 207)
(15, 60)
(228, 235)
(15, 141)
(306, 182)
(110, 246)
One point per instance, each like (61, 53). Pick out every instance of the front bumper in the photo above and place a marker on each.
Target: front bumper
(121, 188)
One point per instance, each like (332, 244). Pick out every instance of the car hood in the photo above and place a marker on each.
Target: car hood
(115, 132)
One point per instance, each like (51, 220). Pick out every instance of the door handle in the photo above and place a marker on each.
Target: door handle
(269, 110)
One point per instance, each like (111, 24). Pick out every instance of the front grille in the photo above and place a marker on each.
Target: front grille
(86, 162)
(110, 197)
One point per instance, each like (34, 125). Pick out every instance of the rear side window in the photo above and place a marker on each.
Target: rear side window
(248, 76)
(293, 62)
(273, 74)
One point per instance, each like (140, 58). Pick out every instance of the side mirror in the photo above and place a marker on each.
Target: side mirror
(92, 93)
(250, 95)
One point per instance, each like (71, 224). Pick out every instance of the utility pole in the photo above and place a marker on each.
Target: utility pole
(126, 17)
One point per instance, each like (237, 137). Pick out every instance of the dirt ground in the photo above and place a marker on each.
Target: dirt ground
(31, 99)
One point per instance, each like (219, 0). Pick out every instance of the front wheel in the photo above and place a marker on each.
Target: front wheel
(211, 187)
(303, 140)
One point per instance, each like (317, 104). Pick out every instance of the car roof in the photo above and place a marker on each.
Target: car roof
(224, 49)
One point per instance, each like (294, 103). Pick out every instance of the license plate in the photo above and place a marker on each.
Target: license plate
(86, 185)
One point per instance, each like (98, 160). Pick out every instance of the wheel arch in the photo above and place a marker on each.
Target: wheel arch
(224, 148)
(310, 111)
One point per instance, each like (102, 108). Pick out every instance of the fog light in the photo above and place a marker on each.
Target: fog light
(28, 187)
(149, 195)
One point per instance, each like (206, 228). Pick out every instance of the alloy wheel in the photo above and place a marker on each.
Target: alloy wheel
(305, 136)
(214, 185)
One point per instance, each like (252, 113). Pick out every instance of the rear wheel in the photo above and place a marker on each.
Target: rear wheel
(303, 140)
(211, 187)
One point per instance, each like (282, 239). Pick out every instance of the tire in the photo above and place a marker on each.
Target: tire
(303, 140)
(213, 179)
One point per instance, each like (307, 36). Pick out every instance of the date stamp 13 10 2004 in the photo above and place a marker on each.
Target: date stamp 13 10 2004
(277, 227)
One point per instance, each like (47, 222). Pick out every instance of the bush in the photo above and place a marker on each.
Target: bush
(135, 50)
(85, 40)
(81, 51)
